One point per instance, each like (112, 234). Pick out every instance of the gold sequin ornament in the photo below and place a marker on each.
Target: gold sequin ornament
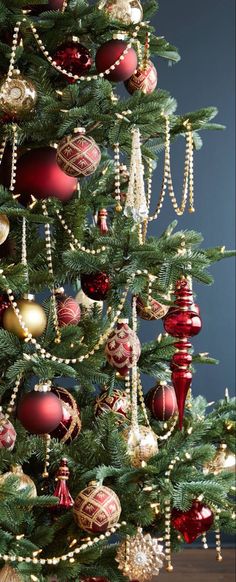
(9, 574)
(140, 557)
(18, 95)
(141, 444)
(4, 228)
(127, 11)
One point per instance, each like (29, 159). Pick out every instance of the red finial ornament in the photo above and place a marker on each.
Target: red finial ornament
(182, 321)
(102, 221)
(62, 491)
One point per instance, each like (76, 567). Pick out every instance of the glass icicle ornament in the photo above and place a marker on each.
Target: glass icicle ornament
(136, 203)
(140, 557)
(127, 11)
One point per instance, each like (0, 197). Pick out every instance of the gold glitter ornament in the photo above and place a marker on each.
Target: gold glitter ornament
(140, 557)
(18, 95)
(127, 11)
(9, 574)
(4, 228)
(141, 444)
(23, 481)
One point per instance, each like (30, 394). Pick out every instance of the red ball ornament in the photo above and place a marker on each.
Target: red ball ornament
(109, 53)
(144, 79)
(183, 320)
(68, 310)
(194, 522)
(4, 304)
(74, 58)
(7, 433)
(97, 508)
(161, 401)
(121, 346)
(117, 402)
(38, 174)
(40, 412)
(151, 312)
(70, 424)
(78, 154)
(96, 285)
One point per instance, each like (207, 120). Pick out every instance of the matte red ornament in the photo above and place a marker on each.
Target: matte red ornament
(38, 174)
(62, 491)
(70, 425)
(194, 522)
(78, 154)
(109, 53)
(121, 347)
(68, 310)
(7, 433)
(96, 285)
(74, 58)
(117, 402)
(155, 310)
(161, 401)
(102, 221)
(97, 508)
(4, 304)
(40, 412)
(144, 79)
(183, 320)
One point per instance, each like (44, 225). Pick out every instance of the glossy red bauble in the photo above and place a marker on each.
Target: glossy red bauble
(182, 324)
(70, 424)
(144, 79)
(4, 304)
(68, 310)
(194, 522)
(161, 401)
(78, 154)
(109, 53)
(38, 174)
(7, 433)
(74, 58)
(117, 402)
(96, 285)
(121, 347)
(40, 412)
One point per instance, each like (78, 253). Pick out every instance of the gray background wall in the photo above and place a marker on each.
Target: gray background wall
(203, 31)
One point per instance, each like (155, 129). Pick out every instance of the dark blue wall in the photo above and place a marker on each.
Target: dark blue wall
(204, 34)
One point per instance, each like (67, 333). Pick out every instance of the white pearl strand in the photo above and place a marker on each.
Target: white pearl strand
(75, 240)
(2, 148)
(48, 242)
(117, 176)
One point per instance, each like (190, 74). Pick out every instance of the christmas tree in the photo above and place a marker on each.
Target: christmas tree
(99, 481)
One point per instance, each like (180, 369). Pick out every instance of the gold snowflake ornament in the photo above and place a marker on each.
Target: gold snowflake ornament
(140, 557)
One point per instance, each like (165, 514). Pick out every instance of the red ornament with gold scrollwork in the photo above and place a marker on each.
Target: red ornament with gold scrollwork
(121, 346)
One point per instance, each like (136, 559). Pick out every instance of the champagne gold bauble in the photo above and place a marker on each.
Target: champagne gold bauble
(224, 460)
(17, 96)
(9, 574)
(140, 557)
(33, 315)
(4, 228)
(23, 481)
(141, 444)
(127, 11)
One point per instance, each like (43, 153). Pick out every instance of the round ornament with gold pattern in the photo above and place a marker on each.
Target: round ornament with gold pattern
(151, 311)
(18, 96)
(117, 402)
(144, 79)
(9, 574)
(140, 557)
(70, 425)
(23, 481)
(33, 316)
(4, 228)
(126, 11)
(141, 444)
(97, 508)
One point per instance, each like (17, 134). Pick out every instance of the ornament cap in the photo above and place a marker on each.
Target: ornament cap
(29, 296)
(80, 130)
(123, 320)
(43, 386)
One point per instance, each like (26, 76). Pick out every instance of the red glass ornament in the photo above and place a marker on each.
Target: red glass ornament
(161, 401)
(62, 491)
(70, 424)
(4, 304)
(118, 402)
(144, 79)
(74, 58)
(7, 433)
(96, 285)
(121, 346)
(78, 154)
(38, 174)
(102, 221)
(109, 53)
(97, 508)
(194, 522)
(68, 310)
(181, 381)
(183, 320)
(40, 412)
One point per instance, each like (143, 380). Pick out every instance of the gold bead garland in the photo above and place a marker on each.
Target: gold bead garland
(47, 441)
(2, 148)
(13, 398)
(117, 176)
(47, 230)
(13, 50)
(14, 157)
(204, 541)
(75, 240)
(219, 556)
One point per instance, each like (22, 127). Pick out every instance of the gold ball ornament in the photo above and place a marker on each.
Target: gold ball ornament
(18, 96)
(97, 508)
(126, 11)
(23, 481)
(33, 316)
(141, 444)
(224, 460)
(9, 574)
(140, 557)
(4, 228)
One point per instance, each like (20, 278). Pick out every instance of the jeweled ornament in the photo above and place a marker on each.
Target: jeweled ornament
(96, 285)
(74, 58)
(161, 401)
(194, 522)
(33, 316)
(152, 311)
(141, 444)
(144, 79)
(140, 557)
(70, 424)
(127, 11)
(121, 346)
(4, 228)
(109, 53)
(65, 501)
(117, 402)
(9, 574)
(38, 174)
(7, 433)
(23, 481)
(18, 96)
(40, 411)
(68, 310)
(4, 304)
(78, 155)
(97, 508)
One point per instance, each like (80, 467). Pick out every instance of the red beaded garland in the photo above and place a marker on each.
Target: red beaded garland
(96, 285)
(194, 522)
(121, 346)
(70, 424)
(161, 401)
(74, 58)
(144, 79)
(40, 412)
(78, 154)
(109, 53)
(7, 433)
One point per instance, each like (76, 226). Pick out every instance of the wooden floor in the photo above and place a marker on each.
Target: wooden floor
(200, 566)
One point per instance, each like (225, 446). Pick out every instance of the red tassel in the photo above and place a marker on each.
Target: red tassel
(62, 491)
(102, 221)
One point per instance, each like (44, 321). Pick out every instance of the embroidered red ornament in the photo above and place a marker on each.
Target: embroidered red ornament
(121, 346)
(117, 402)
(97, 508)
(144, 79)
(70, 425)
(78, 155)
(7, 433)
(161, 401)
